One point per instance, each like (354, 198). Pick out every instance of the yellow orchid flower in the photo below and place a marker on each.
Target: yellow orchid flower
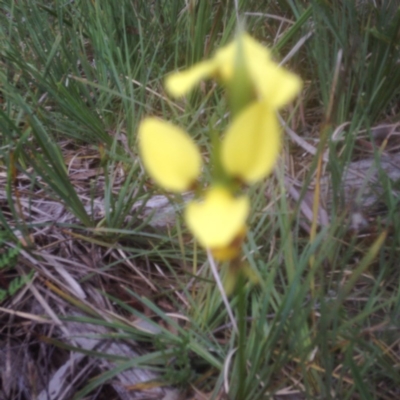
(218, 221)
(252, 143)
(169, 155)
(270, 81)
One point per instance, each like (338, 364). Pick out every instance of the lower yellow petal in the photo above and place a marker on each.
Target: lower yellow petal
(169, 155)
(180, 83)
(216, 221)
(252, 143)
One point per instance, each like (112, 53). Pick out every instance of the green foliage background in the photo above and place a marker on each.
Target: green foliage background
(85, 72)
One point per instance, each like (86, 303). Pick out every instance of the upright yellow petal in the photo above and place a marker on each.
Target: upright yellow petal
(169, 155)
(220, 66)
(252, 143)
(271, 82)
(253, 53)
(216, 221)
(180, 83)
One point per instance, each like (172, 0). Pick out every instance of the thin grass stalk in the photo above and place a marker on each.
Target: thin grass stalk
(242, 336)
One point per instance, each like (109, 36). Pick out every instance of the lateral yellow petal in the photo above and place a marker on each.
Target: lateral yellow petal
(169, 155)
(180, 83)
(275, 84)
(218, 219)
(252, 143)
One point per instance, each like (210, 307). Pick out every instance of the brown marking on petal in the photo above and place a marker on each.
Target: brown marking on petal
(233, 250)
(193, 186)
